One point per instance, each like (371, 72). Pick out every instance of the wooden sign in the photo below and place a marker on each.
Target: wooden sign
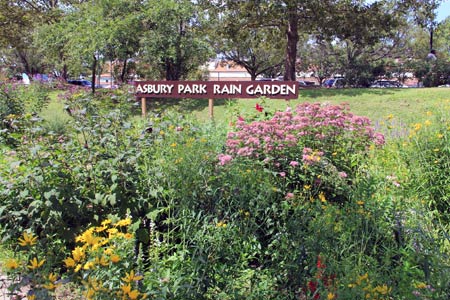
(215, 90)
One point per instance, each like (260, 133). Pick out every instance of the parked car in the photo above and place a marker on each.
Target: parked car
(386, 84)
(334, 83)
(304, 83)
(81, 82)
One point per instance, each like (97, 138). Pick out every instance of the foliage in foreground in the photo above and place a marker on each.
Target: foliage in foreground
(202, 229)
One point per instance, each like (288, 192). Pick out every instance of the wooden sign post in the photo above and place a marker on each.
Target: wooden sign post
(144, 106)
(211, 108)
(214, 90)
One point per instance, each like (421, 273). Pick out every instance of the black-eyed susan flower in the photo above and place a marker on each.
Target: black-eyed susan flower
(114, 258)
(69, 262)
(27, 239)
(129, 277)
(35, 263)
(12, 264)
(124, 222)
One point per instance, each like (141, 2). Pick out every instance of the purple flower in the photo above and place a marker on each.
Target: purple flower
(224, 159)
(294, 163)
(342, 174)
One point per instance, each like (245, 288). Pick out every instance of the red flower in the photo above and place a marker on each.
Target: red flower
(312, 287)
(241, 119)
(259, 107)
(320, 265)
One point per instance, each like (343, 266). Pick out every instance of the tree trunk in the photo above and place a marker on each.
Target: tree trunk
(431, 38)
(124, 71)
(94, 68)
(291, 47)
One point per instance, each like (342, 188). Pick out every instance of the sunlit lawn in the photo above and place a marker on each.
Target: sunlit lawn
(408, 105)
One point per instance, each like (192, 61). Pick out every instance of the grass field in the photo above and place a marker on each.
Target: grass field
(407, 105)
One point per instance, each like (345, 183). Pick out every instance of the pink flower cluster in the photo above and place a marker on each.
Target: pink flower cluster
(311, 124)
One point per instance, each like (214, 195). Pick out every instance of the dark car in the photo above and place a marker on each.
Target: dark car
(80, 82)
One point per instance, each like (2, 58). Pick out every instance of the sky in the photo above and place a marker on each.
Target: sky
(443, 10)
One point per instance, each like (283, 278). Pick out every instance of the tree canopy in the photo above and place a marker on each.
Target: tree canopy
(171, 39)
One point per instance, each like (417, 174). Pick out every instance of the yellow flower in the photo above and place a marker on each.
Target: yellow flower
(362, 278)
(429, 113)
(134, 294)
(173, 145)
(78, 254)
(34, 263)
(124, 222)
(420, 285)
(90, 293)
(12, 264)
(126, 288)
(330, 296)
(417, 126)
(109, 251)
(427, 123)
(322, 197)
(27, 240)
(78, 268)
(87, 235)
(383, 289)
(221, 224)
(69, 262)
(440, 135)
(49, 286)
(101, 228)
(129, 277)
(128, 236)
(115, 258)
(360, 202)
(52, 277)
(89, 265)
(31, 297)
(106, 222)
(306, 187)
(103, 261)
(112, 232)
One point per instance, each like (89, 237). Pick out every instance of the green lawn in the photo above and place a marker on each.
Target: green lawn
(407, 105)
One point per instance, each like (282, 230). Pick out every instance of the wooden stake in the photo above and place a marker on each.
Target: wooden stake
(144, 107)
(211, 108)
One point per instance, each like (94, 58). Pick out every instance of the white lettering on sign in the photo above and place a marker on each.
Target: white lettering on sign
(192, 89)
(155, 88)
(231, 89)
(265, 89)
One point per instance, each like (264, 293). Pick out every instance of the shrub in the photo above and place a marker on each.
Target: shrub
(315, 147)
(17, 104)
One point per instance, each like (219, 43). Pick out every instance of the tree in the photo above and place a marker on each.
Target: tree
(91, 32)
(257, 50)
(173, 43)
(16, 23)
(424, 14)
